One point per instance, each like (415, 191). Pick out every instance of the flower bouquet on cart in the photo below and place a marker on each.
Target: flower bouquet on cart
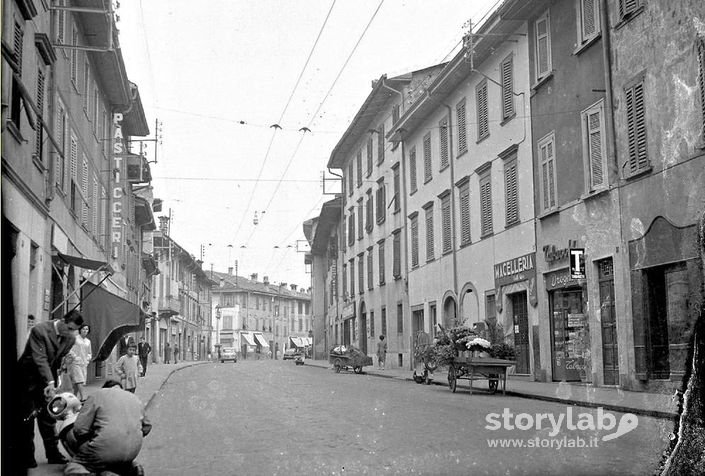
(478, 346)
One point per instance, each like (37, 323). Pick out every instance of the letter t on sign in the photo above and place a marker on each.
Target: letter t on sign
(577, 263)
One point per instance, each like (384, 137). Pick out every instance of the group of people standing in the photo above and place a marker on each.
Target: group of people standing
(168, 351)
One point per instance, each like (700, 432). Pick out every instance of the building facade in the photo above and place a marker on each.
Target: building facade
(259, 317)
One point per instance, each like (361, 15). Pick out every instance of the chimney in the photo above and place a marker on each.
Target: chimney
(222, 282)
(293, 287)
(253, 277)
(265, 279)
(164, 225)
(230, 271)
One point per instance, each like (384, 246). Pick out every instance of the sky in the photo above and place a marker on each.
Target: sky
(220, 74)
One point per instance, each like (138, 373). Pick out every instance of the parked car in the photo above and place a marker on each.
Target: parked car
(228, 353)
(291, 354)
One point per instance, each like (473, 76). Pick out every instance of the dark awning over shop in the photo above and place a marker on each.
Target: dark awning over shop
(84, 263)
(110, 318)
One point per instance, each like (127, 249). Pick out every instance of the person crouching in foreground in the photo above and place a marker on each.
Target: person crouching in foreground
(108, 433)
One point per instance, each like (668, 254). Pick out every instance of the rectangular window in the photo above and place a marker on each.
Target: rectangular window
(345, 282)
(511, 191)
(352, 278)
(380, 144)
(351, 177)
(588, 20)
(414, 240)
(400, 318)
(381, 200)
(396, 198)
(636, 128)
(430, 243)
(358, 161)
(351, 227)
(412, 170)
(543, 47)
(396, 255)
(627, 8)
(507, 88)
(427, 162)
(462, 127)
(361, 273)
(483, 127)
(446, 231)
(370, 161)
(486, 204)
(548, 179)
(594, 151)
(39, 131)
(360, 214)
(369, 212)
(464, 198)
(370, 270)
(443, 140)
(384, 321)
(380, 264)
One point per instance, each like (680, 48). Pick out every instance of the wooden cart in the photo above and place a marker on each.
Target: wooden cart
(479, 368)
(344, 357)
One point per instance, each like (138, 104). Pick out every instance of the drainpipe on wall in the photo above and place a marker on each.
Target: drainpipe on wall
(341, 246)
(452, 211)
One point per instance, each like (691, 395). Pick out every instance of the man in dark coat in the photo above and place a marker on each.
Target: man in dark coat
(143, 350)
(125, 342)
(38, 370)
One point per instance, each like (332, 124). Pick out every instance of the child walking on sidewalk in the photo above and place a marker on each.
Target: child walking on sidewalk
(128, 368)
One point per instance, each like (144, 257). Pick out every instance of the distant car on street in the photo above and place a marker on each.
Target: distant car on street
(228, 353)
(291, 354)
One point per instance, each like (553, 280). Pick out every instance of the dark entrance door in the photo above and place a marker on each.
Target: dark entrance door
(520, 317)
(346, 332)
(568, 326)
(610, 352)
(363, 329)
(416, 326)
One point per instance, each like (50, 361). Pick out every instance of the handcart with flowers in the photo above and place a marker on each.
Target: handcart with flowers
(343, 357)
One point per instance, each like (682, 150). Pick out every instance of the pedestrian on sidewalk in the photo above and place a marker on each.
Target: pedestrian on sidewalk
(37, 371)
(176, 353)
(81, 355)
(108, 433)
(167, 353)
(381, 352)
(143, 350)
(128, 368)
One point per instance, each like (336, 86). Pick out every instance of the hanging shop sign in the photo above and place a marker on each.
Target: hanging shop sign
(349, 310)
(116, 218)
(577, 263)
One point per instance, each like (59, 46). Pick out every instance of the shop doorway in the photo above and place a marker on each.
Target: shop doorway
(569, 332)
(608, 321)
(346, 332)
(520, 317)
(363, 328)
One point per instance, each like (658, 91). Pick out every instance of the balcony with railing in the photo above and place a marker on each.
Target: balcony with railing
(169, 305)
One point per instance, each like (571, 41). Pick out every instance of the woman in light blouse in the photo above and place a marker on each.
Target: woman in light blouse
(81, 357)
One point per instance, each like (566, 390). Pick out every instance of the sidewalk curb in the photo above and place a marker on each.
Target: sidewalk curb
(531, 396)
(154, 393)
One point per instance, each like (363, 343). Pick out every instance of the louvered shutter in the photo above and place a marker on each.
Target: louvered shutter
(351, 228)
(39, 131)
(551, 175)
(507, 88)
(369, 213)
(360, 224)
(482, 119)
(446, 226)
(462, 131)
(345, 281)
(427, 158)
(627, 7)
(465, 214)
(396, 255)
(352, 278)
(350, 177)
(486, 205)
(589, 17)
(414, 241)
(443, 131)
(17, 46)
(361, 273)
(60, 21)
(370, 282)
(701, 81)
(380, 144)
(412, 169)
(542, 48)
(95, 207)
(430, 244)
(396, 197)
(369, 156)
(594, 126)
(380, 260)
(74, 159)
(359, 168)
(381, 202)
(84, 192)
(636, 128)
(510, 182)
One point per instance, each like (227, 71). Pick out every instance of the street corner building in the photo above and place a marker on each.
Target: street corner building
(559, 127)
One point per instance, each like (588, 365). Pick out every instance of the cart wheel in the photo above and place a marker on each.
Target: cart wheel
(452, 378)
(338, 365)
(493, 383)
(357, 370)
(426, 377)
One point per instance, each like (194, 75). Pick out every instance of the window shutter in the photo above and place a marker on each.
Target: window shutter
(627, 7)
(589, 13)
(361, 273)
(595, 149)
(542, 62)
(40, 107)
(396, 197)
(548, 190)
(482, 119)
(465, 214)
(507, 88)
(486, 205)
(380, 259)
(74, 158)
(352, 278)
(84, 191)
(412, 169)
(350, 177)
(445, 218)
(359, 168)
(360, 215)
(462, 131)
(17, 46)
(443, 130)
(345, 281)
(74, 56)
(427, 158)
(86, 86)
(370, 282)
(396, 255)
(369, 156)
(510, 180)
(61, 20)
(414, 241)
(430, 245)
(380, 144)
(701, 81)
(636, 127)
(551, 175)
(370, 213)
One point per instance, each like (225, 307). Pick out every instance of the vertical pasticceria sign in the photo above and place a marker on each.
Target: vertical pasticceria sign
(116, 218)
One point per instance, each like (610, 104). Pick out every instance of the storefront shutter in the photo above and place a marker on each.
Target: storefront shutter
(640, 326)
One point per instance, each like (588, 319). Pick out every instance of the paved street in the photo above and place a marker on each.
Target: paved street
(272, 417)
